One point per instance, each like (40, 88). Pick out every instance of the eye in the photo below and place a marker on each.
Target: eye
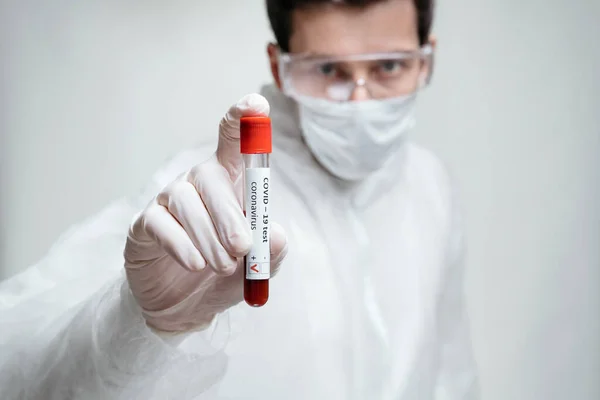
(328, 69)
(390, 66)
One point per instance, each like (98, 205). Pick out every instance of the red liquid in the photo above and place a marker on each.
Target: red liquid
(256, 292)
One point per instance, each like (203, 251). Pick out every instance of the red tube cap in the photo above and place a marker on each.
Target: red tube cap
(255, 135)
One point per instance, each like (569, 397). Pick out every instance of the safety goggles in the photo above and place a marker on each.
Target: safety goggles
(382, 75)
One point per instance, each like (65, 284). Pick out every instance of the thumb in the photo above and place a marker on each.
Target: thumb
(228, 150)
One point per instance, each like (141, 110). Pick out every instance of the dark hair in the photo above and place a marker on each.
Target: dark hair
(280, 16)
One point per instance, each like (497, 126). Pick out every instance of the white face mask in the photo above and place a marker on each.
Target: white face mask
(354, 139)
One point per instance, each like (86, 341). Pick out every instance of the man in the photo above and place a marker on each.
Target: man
(368, 303)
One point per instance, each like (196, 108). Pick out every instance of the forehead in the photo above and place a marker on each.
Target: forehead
(342, 30)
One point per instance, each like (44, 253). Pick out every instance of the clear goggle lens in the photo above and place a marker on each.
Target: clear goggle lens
(383, 75)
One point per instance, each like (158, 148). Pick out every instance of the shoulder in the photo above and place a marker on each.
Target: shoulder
(430, 176)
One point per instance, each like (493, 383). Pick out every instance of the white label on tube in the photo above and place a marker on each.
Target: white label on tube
(256, 202)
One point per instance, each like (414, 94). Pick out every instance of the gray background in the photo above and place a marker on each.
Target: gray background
(96, 95)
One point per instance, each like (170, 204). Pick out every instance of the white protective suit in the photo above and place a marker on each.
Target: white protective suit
(368, 303)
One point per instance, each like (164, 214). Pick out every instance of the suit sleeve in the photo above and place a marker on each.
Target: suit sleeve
(71, 329)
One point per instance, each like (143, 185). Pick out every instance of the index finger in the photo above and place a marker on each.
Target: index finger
(228, 150)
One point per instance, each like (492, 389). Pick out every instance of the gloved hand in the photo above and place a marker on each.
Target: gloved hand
(184, 252)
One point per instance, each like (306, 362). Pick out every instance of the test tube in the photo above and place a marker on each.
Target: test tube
(255, 146)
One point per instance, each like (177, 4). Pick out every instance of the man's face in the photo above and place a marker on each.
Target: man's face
(335, 30)
(330, 30)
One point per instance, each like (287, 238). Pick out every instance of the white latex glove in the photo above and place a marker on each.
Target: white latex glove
(184, 252)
